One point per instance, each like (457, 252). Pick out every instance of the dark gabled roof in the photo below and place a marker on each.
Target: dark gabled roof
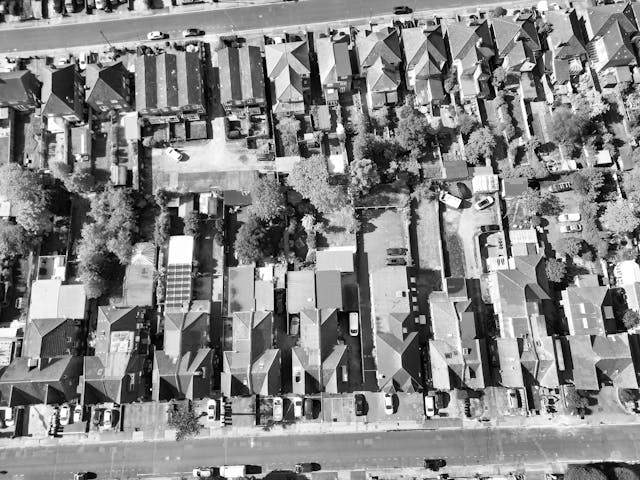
(185, 332)
(511, 31)
(241, 74)
(333, 58)
(565, 37)
(20, 86)
(187, 377)
(59, 91)
(601, 17)
(469, 44)
(107, 84)
(287, 55)
(116, 378)
(398, 363)
(425, 51)
(380, 44)
(382, 77)
(47, 337)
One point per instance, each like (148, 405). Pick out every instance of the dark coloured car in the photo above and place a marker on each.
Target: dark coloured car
(434, 464)
(360, 404)
(402, 10)
(396, 261)
(489, 228)
(392, 252)
(192, 32)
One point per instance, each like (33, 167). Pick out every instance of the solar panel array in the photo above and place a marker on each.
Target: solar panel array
(178, 285)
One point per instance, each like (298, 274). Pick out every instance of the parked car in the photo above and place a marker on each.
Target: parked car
(303, 467)
(173, 153)
(65, 414)
(308, 408)
(80, 476)
(156, 35)
(429, 406)
(211, 409)
(396, 261)
(388, 403)
(203, 472)
(278, 411)
(396, 251)
(560, 187)
(78, 413)
(489, 228)
(345, 373)
(294, 325)
(97, 416)
(107, 419)
(484, 202)
(569, 217)
(192, 32)
(402, 10)
(450, 200)
(576, 227)
(354, 324)
(100, 4)
(434, 464)
(360, 404)
(512, 398)
(297, 407)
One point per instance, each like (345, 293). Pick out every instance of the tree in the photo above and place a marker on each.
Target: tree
(525, 171)
(621, 217)
(414, 132)
(626, 395)
(498, 77)
(480, 145)
(584, 472)
(565, 128)
(569, 246)
(590, 104)
(538, 202)
(162, 228)
(588, 183)
(28, 197)
(427, 190)
(555, 270)
(193, 224)
(80, 181)
(185, 422)
(623, 472)
(268, 199)
(574, 400)
(310, 178)
(467, 124)
(380, 117)
(363, 176)
(13, 240)
(630, 319)
(451, 82)
(252, 242)
(113, 214)
(498, 12)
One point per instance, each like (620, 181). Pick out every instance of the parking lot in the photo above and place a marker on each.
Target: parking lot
(382, 229)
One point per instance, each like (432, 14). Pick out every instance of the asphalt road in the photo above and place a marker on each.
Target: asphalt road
(212, 21)
(515, 446)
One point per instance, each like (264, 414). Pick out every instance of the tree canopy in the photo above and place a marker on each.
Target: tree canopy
(185, 422)
(13, 240)
(569, 246)
(467, 124)
(480, 145)
(268, 199)
(565, 127)
(363, 176)
(193, 224)
(584, 472)
(310, 178)
(588, 183)
(538, 202)
(621, 217)
(28, 197)
(556, 270)
(630, 319)
(414, 132)
(252, 242)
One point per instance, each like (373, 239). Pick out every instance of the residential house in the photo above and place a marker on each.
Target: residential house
(179, 280)
(380, 57)
(457, 358)
(289, 71)
(518, 295)
(471, 49)
(317, 361)
(426, 58)
(51, 299)
(613, 34)
(253, 365)
(53, 337)
(169, 85)
(250, 289)
(597, 360)
(527, 362)
(587, 307)
(108, 87)
(566, 45)
(517, 42)
(19, 90)
(334, 64)
(32, 381)
(183, 368)
(396, 342)
(241, 78)
(63, 93)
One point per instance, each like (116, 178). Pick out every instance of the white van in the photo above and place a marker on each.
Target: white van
(429, 406)
(450, 200)
(354, 324)
(233, 471)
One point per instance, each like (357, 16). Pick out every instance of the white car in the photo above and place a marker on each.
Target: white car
(173, 153)
(278, 410)
(78, 414)
(354, 324)
(484, 202)
(449, 200)
(576, 227)
(297, 407)
(203, 472)
(569, 217)
(429, 406)
(512, 397)
(107, 419)
(65, 414)
(211, 409)
(156, 35)
(8, 416)
(388, 403)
